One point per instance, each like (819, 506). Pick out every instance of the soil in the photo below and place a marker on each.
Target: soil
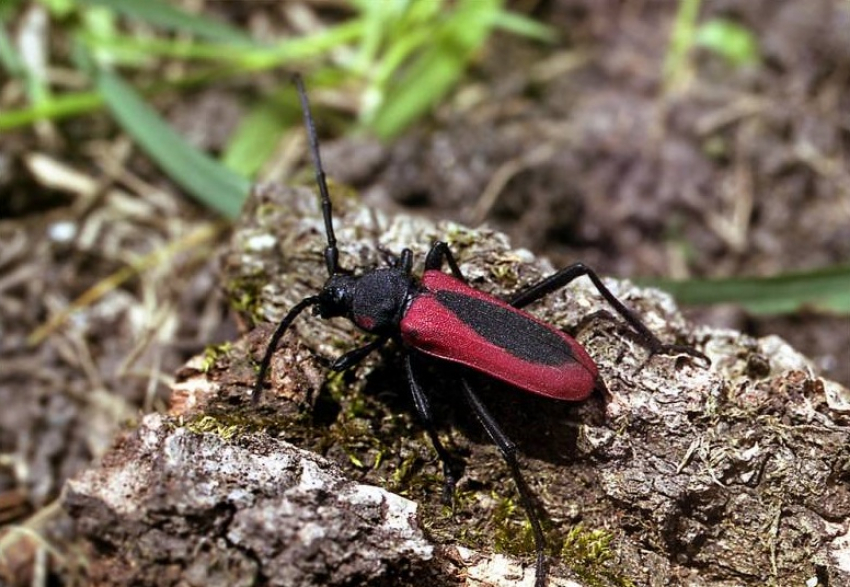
(579, 151)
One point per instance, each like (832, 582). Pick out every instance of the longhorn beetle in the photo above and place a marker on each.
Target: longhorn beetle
(440, 316)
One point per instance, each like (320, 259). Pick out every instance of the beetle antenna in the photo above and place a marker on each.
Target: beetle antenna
(331, 251)
(278, 334)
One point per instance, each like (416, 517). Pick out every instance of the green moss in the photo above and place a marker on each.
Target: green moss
(244, 295)
(459, 237)
(513, 532)
(337, 385)
(590, 556)
(505, 273)
(509, 538)
(269, 209)
(340, 344)
(404, 472)
(214, 352)
(233, 422)
(210, 425)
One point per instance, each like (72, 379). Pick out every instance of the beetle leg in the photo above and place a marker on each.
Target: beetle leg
(508, 450)
(440, 252)
(423, 409)
(405, 262)
(355, 356)
(568, 274)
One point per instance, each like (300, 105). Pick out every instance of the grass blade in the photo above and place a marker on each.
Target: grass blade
(524, 26)
(257, 136)
(734, 42)
(54, 109)
(824, 290)
(430, 76)
(164, 14)
(9, 58)
(203, 177)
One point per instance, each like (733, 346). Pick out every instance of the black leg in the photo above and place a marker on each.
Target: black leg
(352, 357)
(423, 409)
(568, 274)
(508, 450)
(440, 252)
(405, 260)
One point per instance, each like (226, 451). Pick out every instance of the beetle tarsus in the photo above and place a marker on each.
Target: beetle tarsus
(670, 350)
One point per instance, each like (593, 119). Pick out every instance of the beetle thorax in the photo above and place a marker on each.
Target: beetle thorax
(374, 301)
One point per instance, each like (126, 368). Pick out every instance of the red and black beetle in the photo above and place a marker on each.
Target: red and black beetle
(441, 316)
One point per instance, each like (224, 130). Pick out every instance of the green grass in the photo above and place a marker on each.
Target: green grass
(213, 184)
(824, 290)
(730, 40)
(396, 59)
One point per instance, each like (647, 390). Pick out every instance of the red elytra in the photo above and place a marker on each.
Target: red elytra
(463, 327)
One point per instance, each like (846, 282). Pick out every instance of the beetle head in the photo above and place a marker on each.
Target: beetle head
(337, 296)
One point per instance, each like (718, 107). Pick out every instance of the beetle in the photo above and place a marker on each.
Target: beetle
(439, 316)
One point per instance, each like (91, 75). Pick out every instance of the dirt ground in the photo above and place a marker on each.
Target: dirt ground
(578, 151)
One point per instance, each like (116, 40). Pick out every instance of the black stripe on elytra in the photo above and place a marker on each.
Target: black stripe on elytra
(516, 333)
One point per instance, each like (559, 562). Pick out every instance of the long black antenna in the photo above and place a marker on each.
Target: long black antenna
(331, 252)
(278, 334)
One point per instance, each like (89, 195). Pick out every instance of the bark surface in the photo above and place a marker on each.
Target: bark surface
(678, 475)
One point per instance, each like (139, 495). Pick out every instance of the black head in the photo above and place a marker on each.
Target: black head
(336, 297)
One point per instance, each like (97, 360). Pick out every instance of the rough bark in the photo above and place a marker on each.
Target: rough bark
(678, 475)
(174, 506)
